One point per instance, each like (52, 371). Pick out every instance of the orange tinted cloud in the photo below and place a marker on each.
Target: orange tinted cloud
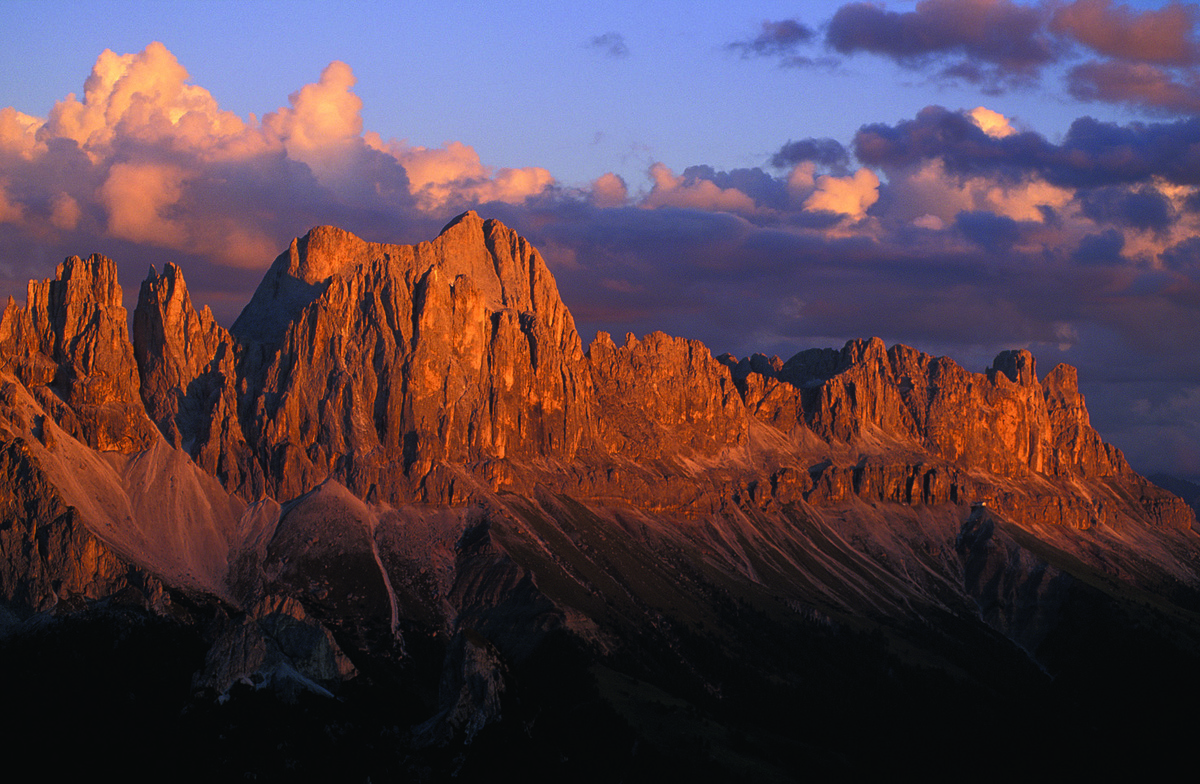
(693, 193)
(453, 174)
(851, 196)
(1161, 35)
(156, 160)
(64, 212)
(9, 212)
(137, 197)
(323, 123)
(143, 96)
(992, 123)
(609, 190)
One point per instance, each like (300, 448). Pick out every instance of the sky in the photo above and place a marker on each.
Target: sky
(962, 176)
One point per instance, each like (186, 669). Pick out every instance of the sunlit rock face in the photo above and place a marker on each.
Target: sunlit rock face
(441, 370)
(70, 346)
(393, 360)
(188, 365)
(662, 397)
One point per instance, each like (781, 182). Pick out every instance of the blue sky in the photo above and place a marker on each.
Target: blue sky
(962, 176)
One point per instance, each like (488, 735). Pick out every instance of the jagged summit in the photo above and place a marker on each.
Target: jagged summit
(416, 371)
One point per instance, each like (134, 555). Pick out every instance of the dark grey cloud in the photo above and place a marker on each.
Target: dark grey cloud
(767, 191)
(775, 39)
(1184, 257)
(826, 152)
(1100, 249)
(986, 41)
(1147, 58)
(993, 233)
(611, 44)
(1092, 154)
(1139, 208)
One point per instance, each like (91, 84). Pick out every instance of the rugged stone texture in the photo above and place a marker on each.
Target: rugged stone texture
(47, 555)
(1003, 421)
(188, 369)
(1074, 447)
(1018, 593)
(662, 397)
(70, 346)
(458, 351)
(275, 645)
(469, 697)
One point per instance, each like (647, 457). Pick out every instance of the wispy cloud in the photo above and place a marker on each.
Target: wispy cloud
(775, 39)
(611, 44)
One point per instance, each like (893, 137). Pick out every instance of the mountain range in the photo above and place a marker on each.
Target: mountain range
(398, 522)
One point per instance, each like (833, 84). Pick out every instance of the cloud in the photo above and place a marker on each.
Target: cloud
(993, 233)
(850, 196)
(609, 190)
(958, 231)
(1146, 58)
(138, 197)
(1135, 84)
(827, 152)
(1092, 153)
(992, 123)
(1100, 249)
(324, 118)
(145, 157)
(611, 44)
(142, 98)
(65, 212)
(693, 192)
(1143, 208)
(1184, 257)
(1164, 35)
(18, 133)
(453, 175)
(774, 39)
(9, 212)
(984, 41)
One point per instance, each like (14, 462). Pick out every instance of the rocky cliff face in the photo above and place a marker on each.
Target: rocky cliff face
(400, 466)
(663, 397)
(374, 364)
(69, 345)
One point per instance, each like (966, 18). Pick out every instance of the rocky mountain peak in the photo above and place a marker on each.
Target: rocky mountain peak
(174, 346)
(324, 252)
(70, 345)
(1018, 365)
(295, 279)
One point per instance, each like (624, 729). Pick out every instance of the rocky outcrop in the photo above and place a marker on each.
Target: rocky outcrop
(274, 645)
(662, 397)
(447, 370)
(1018, 593)
(188, 369)
(456, 351)
(1003, 421)
(1073, 447)
(48, 558)
(69, 345)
